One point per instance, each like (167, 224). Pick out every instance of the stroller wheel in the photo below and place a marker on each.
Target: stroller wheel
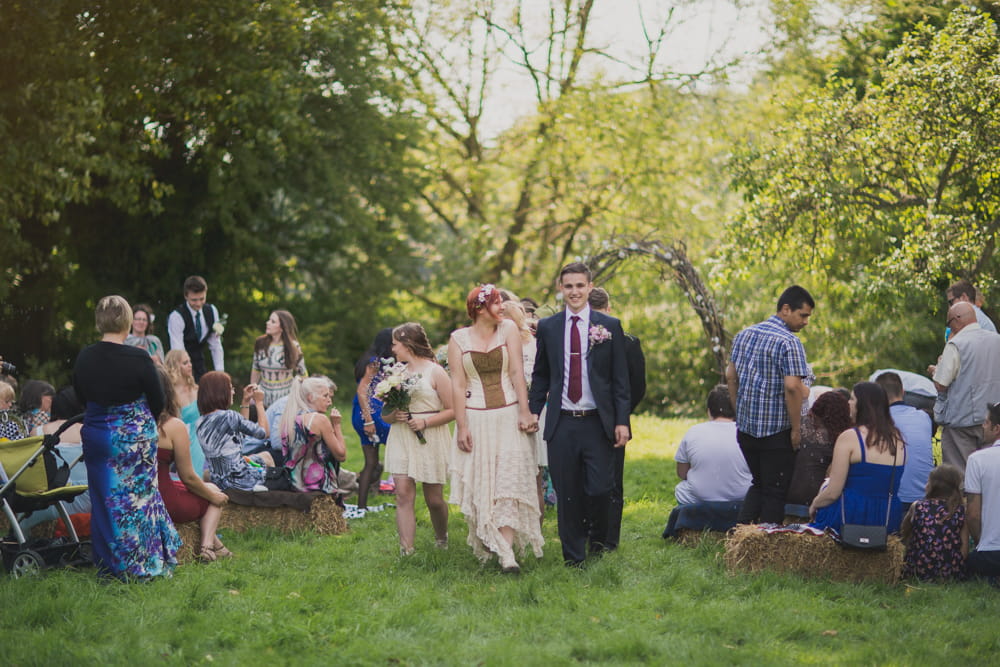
(26, 563)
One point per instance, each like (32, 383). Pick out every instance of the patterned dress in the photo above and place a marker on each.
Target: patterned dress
(221, 434)
(131, 531)
(275, 377)
(311, 464)
(935, 548)
(495, 483)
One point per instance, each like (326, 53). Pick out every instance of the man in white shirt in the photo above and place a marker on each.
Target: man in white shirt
(713, 471)
(709, 461)
(195, 323)
(982, 490)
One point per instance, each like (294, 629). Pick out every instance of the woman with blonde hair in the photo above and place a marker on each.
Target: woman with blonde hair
(131, 533)
(312, 442)
(277, 357)
(181, 373)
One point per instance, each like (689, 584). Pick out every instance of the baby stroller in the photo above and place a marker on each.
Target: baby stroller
(33, 477)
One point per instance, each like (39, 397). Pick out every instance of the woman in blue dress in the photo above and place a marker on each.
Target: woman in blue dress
(367, 410)
(867, 466)
(132, 535)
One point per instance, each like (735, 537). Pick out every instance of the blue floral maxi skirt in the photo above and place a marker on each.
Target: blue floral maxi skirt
(131, 532)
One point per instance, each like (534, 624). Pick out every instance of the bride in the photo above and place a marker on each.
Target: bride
(495, 465)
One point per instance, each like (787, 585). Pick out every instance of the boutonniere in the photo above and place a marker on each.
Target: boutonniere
(597, 334)
(220, 325)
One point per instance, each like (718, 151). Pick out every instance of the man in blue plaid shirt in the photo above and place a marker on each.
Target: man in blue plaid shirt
(765, 373)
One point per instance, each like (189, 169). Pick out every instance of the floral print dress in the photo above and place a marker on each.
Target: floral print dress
(935, 548)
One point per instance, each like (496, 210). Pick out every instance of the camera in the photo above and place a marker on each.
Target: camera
(8, 368)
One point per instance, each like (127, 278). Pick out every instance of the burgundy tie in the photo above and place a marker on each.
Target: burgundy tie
(575, 391)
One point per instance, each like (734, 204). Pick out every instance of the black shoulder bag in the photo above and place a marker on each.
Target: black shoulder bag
(870, 538)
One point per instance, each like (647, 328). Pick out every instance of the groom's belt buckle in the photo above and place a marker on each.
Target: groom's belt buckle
(578, 413)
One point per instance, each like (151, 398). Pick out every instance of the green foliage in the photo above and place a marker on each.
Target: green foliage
(260, 145)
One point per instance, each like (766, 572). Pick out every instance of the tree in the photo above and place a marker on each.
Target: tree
(262, 145)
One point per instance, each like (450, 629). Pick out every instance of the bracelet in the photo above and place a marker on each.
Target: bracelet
(369, 423)
(425, 425)
(244, 407)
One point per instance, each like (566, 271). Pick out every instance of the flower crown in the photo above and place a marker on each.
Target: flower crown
(484, 294)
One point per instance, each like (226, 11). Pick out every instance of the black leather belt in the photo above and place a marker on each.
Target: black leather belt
(578, 413)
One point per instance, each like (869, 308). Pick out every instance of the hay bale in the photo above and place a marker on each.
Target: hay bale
(749, 549)
(324, 517)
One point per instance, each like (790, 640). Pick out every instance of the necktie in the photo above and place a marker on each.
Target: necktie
(197, 324)
(575, 390)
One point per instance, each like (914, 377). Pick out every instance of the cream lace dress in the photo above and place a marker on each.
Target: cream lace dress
(494, 484)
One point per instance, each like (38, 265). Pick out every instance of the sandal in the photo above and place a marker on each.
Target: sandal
(222, 552)
(205, 553)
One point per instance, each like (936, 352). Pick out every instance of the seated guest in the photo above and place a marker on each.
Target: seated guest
(982, 491)
(935, 530)
(35, 404)
(867, 466)
(829, 416)
(12, 427)
(312, 443)
(221, 432)
(915, 427)
(190, 499)
(714, 474)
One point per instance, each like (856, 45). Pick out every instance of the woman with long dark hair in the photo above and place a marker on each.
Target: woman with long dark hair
(867, 463)
(277, 357)
(366, 413)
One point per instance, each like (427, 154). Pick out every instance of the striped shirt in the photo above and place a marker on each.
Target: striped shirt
(763, 355)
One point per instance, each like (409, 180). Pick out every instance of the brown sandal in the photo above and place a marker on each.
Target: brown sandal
(222, 552)
(204, 554)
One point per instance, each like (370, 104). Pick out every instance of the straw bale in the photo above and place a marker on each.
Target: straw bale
(749, 549)
(324, 517)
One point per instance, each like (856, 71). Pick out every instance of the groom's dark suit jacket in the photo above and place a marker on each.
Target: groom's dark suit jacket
(607, 370)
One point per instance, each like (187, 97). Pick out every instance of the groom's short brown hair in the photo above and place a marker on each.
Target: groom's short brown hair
(576, 267)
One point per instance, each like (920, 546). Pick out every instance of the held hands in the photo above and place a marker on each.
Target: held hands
(528, 423)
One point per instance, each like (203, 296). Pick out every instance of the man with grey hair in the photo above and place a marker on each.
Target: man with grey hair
(967, 377)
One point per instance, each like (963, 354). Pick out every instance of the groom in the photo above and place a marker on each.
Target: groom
(581, 374)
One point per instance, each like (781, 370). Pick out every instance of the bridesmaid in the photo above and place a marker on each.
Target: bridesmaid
(407, 459)
(181, 374)
(277, 357)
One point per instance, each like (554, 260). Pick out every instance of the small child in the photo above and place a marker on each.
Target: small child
(12, 427)
(935, 531)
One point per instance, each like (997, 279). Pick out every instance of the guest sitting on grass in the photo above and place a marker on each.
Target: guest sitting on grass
(934, 529)
(714, 474)
(221, 432)
(312, 443)
(982, 491)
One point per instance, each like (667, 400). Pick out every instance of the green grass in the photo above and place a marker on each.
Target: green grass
(350, 599)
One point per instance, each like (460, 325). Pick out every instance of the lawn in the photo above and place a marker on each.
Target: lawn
(351, 599)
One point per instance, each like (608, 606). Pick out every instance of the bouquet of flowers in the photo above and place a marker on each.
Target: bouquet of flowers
(394, 389)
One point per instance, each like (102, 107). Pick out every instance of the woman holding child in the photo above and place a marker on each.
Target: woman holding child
(494, 470)
(408, 459)
(867, 465)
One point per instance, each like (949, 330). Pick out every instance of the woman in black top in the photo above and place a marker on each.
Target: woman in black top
(132, 535)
